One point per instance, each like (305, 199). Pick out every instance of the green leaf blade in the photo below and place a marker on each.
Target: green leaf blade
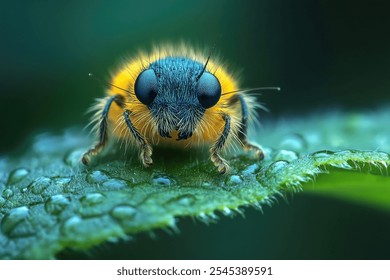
(50, 202)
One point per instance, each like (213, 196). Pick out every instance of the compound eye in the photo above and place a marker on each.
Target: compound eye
(145, 86)
(209, 90)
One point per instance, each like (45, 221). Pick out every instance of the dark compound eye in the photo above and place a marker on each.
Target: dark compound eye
(146, 86)
(209, 90)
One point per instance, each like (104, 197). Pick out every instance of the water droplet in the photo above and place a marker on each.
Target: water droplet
(2, 201)
(162, 181)
(7, 193)
(92, 199)
(97, 177)
(39, 185)
(89, 202)
(295, 142)
(115, 184)
(62, 181)
(276, 167)
(17, 175)
(183, 200)
(73, 158)
(322, 154)
(234, 180)
(250, 170)
(286, 155)
(16, 224)
(56, 204)
(70, 226)
(123, 212)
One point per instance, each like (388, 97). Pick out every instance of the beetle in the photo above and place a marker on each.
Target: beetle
(176, 96)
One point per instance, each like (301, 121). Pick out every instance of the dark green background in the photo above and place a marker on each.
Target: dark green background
(324, 54)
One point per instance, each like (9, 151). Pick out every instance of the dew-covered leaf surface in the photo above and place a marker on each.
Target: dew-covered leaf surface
(50, 202)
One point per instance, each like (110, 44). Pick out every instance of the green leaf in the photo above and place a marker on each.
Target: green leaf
(364, 188)
(50, 202)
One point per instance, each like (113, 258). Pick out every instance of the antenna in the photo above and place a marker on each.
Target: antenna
(106, 83)
(251, 89)
(207, 61)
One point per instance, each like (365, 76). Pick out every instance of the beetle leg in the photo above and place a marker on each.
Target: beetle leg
(102, 131)
(146, 150)
(215, 151)
(242, 133)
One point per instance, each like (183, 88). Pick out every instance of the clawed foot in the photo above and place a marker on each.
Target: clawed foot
(146, 155)
(88, 155)
(259, 154)
(219, 162)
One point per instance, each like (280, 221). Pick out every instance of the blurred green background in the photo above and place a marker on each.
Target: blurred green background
(324, 54)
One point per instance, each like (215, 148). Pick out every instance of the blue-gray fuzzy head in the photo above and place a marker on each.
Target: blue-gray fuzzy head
(177, 92)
